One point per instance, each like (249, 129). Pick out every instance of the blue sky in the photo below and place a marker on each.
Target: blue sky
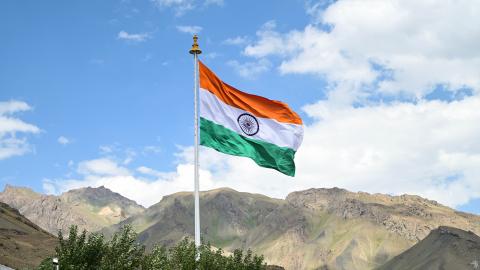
(86, 84)
(106, 88)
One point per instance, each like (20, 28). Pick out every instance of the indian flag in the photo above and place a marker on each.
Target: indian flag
(236, 123)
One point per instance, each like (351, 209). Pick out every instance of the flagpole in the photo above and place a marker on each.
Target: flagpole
(195, 50)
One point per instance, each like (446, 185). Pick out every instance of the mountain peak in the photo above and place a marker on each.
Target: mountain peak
(90, 189)
(90, 208)
(444, 248)
(327, 196)
(457, 234)
(97, 195)
(19, 191)
(399, 214)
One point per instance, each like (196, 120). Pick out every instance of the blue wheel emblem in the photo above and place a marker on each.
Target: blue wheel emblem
(248, 124)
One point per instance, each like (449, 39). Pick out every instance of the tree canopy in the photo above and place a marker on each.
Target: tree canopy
(83, 251)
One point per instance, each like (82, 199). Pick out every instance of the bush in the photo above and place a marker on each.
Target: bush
(122, 252)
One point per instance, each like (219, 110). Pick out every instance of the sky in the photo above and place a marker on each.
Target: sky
(101, 93)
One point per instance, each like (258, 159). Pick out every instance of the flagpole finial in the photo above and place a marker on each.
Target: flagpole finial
(195, 48)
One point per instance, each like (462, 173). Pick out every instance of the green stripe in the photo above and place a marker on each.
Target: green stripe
(264, 154)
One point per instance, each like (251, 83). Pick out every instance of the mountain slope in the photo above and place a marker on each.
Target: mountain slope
(22, 243)
(88, 208)
(226, 215)
(444, 248)
(311, 229)
(106, 206)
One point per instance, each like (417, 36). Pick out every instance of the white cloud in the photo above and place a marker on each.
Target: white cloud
(140, 37)
(366, 48)
(152, 149)
(10, 146)
(180, 6)
(107, 149)
(126, 155)
(429, 149)
(13, 106)
(102, 166)
(400, 49)
(190, 29)
(250, 70)
(238, 40)
(129, 156)
(63, 140)
(149, 171)
(211, 55)
(421, 43)
(11, 126)
(145, 191)
(48, 186)
(316, 9)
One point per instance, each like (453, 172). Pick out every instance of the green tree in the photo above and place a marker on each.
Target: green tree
(123, 252)
(83, 251)
(210, 259)
(157, 259)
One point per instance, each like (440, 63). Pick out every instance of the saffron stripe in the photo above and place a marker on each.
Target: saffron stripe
(256, 105)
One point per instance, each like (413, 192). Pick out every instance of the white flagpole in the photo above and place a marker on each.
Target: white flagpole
(195, 50)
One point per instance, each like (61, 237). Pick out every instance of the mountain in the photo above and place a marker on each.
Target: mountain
(227, 217)
(22, 243)
(311, 229)
(89, 208)
(444, 248)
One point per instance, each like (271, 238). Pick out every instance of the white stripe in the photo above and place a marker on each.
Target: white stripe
(270, 130)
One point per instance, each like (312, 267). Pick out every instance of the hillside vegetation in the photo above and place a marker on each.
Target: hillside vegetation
(22, 243)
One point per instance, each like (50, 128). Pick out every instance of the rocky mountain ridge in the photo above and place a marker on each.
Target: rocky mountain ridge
(310, 229)
(410, 216)
(88, 208)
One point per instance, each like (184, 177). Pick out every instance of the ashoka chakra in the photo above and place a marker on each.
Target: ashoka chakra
(248, 123)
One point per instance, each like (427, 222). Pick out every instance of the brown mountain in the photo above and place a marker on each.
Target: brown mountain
(311, 229)
(22, 243)
(444, 248)
(89, 208)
